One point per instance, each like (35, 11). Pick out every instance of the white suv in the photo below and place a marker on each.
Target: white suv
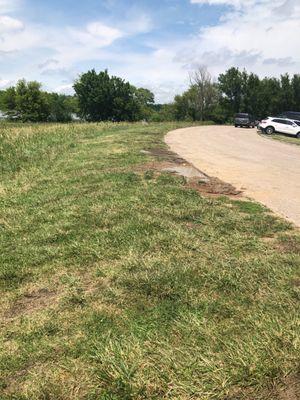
(281, 125)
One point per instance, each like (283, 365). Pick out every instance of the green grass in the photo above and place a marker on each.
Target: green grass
(285, 138)
(118, 283)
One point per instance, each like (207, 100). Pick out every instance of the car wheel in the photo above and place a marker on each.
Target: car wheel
(270, 130)
(298, 135)
(236, 126)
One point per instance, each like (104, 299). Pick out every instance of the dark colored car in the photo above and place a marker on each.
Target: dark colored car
(244, 119)
(291, 115)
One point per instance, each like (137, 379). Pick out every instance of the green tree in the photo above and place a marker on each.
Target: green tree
(270, 94)
(296, 91)
(26, 102)
(287, 93)
(197, 103)
(102, 97)
(62, 107)
(163, 113)
(2, 94)
(251, 95)
(31, 102)
(8, 102)
(231, 85)
(204, 93)
(145, 101)
(184, 105)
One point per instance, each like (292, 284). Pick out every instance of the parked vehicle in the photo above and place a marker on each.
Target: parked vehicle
(294, 115)
(271, 125)
(244, 119)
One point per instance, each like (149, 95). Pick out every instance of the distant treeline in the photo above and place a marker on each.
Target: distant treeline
(98, 97)
(236, 91)
(101, 97)
(26, 102)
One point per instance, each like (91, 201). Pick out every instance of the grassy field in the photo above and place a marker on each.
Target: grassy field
(119, 282)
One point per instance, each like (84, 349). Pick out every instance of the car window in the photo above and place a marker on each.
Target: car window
(279, 121)
(241, 116)
(284, 122)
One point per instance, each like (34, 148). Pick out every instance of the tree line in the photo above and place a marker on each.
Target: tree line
(27, 102)
(101, 97)
(234, 92)
(98, 97)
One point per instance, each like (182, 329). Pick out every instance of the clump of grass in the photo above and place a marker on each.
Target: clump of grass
(159, 292)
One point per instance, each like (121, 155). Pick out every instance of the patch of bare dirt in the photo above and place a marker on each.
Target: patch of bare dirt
(168, 161)
(215, 187)
(296, 282)
(11, 383)
(290, 244)
(153, 166)
(287, 389)
(291, 390)
(30, 302)
(165, 155)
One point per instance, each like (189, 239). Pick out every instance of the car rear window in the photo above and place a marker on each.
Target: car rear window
(242, 116)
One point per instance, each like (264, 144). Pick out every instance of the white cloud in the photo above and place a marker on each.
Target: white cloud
(138, 23)
(50, 62)
(238, 4)
(105, 34)
(235, 3)
(65, 89)
(7, 6)
(9, 24)
(287, 6)
(4, 83)
(248, 36)
(67, 45)
(259, 35)
(21, 39)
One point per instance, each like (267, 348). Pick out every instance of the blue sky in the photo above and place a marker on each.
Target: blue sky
(155, 44)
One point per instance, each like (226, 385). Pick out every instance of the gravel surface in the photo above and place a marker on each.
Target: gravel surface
(264, 169)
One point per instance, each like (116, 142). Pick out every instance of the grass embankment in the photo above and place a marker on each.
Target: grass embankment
(285, 138)
(119, 283)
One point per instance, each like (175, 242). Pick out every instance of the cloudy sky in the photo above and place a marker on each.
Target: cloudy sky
(152, 43)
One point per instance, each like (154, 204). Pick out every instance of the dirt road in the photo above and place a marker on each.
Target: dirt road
(265, 170)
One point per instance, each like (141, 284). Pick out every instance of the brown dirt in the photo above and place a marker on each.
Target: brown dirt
(215, 187)
(287, 389)
(209, 186)
(290, 245)
(165, 155)
(30, 302)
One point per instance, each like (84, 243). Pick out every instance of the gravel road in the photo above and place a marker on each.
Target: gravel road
(264, 169)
